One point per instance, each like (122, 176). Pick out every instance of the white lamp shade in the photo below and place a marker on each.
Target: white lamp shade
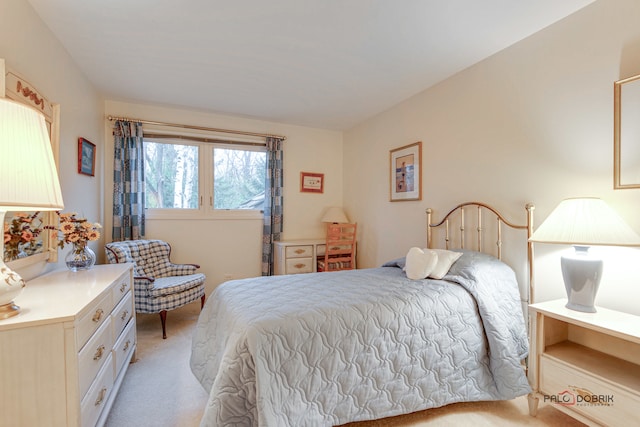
(587, 222)
(28, 175)
(335, 214)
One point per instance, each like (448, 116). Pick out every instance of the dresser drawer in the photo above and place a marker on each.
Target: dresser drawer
(121, 315)
(93, 355)
(124, 347)
(299, 251)
(599, 399)
(91, 321)
(94, 401)
(121, 287)
(298, 265)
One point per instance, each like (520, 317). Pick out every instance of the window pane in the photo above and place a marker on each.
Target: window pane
(171, 175)
(238, 178)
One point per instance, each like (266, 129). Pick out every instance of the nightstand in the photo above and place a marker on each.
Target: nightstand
(586, 364)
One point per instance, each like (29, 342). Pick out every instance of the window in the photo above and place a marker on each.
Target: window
(171, 175)
(201, 178)
(238, 178)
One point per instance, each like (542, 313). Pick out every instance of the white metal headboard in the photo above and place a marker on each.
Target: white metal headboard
(459, 213)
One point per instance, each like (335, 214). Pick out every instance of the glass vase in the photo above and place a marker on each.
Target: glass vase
(81, 257)
(12, 253)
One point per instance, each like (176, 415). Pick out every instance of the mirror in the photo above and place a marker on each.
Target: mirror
(626, 133)
(24, 235)
(43, 248)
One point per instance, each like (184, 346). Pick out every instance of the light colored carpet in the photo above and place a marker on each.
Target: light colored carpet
(159, 390)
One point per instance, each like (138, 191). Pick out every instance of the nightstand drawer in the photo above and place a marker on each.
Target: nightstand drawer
(599, 399)
(298, 265)
(299, 251)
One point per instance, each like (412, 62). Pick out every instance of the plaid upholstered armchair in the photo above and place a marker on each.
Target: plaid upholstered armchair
(159, 285)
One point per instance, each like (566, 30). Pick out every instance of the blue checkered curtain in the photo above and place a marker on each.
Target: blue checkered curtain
(128, 182)
(272, 203)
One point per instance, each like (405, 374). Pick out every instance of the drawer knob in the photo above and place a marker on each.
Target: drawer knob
(124, 314)
(299, 265)
(126, 345)
(98, 315)
(123, 287)
(299, 251)
(99, 353)
(101, 395)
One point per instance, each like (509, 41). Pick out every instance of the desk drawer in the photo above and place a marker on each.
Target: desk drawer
(299, 251)
(298, 265)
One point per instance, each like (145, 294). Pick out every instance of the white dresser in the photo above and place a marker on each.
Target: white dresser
(63, 358)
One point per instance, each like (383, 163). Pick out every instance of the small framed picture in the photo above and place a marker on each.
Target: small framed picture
(311, 182)
(86, 157)
(405, 172)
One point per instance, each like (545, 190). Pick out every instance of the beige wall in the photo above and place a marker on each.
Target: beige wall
(233, 247)
(221, 247)
(532, 123)
(31, 51)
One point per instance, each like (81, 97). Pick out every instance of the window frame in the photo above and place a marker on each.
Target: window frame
(205, 210)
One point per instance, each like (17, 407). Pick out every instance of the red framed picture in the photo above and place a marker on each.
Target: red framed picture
(86, 157)
(311, 182)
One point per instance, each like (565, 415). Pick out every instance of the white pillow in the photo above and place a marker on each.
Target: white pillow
(420, 263)
(445, 261)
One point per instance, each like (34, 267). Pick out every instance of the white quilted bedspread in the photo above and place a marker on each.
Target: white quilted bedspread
(324, 349)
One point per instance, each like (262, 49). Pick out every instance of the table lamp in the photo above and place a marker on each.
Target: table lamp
(335, 215)
(584, 222)
(28, 181)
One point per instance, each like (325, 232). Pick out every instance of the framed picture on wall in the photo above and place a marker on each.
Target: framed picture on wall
(86, 157)
(311, 182)
(405, 172)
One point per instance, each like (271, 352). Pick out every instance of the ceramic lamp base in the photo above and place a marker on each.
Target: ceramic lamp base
(581, 273)
(11, 284)
(8, 310)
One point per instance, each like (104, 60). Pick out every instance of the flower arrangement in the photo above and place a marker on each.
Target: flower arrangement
(21, 233)
(77, 231)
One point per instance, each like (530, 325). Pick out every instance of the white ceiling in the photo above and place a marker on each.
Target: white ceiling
(321, 63)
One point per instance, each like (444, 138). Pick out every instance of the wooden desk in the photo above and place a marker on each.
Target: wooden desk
(298, 256)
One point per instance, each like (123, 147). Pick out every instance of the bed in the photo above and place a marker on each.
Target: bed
(324, 349)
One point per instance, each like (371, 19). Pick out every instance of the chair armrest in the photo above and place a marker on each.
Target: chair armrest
(171, 269)
(143, 282)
